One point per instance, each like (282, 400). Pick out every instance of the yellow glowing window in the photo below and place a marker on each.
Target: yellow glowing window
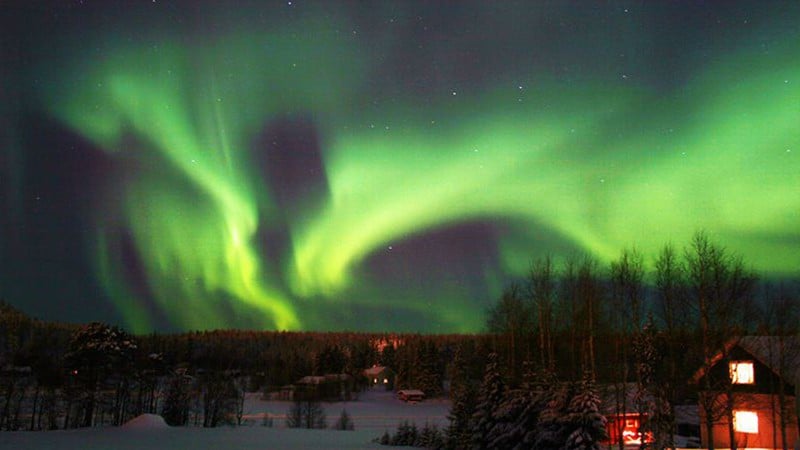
(745, 422)
(742, 372)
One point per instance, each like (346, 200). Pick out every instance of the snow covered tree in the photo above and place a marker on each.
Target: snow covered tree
(406, 434)
(585, 424)
(551, 431)
(538, 388)
(490, 397)
(430, 437)
(505, 434)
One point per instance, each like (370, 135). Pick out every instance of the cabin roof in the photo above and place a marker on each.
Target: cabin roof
(765, 349)
(410, 392)
(614, 395)
(375, 370)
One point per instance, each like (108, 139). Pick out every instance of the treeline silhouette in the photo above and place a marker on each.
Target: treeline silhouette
(575, 321)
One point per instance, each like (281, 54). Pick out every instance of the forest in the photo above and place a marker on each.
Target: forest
(553, 344)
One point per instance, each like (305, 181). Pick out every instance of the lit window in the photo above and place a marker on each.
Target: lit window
(741, 372)
(745, 422)
(375, 380)
(385, 381)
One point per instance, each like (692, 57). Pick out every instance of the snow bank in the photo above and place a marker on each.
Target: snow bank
(146, 422)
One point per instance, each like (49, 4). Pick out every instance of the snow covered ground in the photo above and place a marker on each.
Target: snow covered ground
(377, 410)
(374, 412)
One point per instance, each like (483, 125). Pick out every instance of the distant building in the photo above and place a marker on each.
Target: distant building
(411, 395)
(380, 376)
(623, 421)
(332, 387)
(752, 382)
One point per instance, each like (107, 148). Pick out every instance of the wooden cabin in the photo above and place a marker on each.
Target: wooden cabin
(748, 390)
(623, 421)
(411, 395)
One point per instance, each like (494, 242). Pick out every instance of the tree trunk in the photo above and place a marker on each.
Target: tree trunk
(6, 417)
(35, 404)
(88, 416)
(710, 430)
(731, 430)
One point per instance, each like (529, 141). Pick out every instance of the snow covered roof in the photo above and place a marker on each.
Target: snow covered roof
(616, 396)
(408, 392)
(375, 370)
(319, 379)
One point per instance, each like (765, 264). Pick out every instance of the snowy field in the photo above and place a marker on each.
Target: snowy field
(374, 413)
(376, 410)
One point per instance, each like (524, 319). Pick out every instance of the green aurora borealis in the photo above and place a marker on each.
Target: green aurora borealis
(343, 166)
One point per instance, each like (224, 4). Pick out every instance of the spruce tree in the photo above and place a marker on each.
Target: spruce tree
(651, 395)
(429, 372)
(430, 437)
(463, 403)
(586, 425)
(551, 431)
(490, 397)
(505, 434)
(521, 431)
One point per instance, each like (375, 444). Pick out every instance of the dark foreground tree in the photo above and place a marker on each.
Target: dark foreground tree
(97, 351)
(344, 422)
(306, 414)
(219, 397)
(175, 409)
(463, 398)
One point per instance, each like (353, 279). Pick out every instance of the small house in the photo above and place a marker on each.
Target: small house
(747, 393)
(380, 376)
(331, 387)
(623, 420)
(411, 395)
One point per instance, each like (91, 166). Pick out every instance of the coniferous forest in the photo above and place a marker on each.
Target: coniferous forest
(561, 348)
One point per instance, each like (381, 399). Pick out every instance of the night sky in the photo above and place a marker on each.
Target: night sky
(379, 165)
